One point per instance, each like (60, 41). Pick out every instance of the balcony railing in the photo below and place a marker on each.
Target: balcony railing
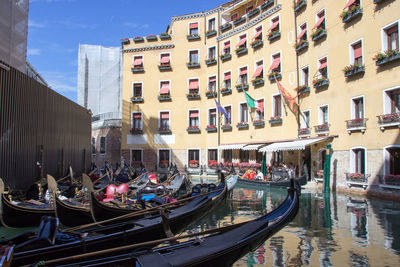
(389, 120)
(151, 38)
(226, 91)
(299, 4)
(322, 128)
(241, 87)
(106, 116)
(241, 50)
(165, 36)
(136, 99)
(275, 120)
(211, 128)
(350, 14)
(267, 4)
(226, 127)
(164, 67)
(318, 83)
(304, 132)
(193, 96)
(164, 97)
(211, 61)
(274, 35)
(193, 129)
(193, 65)
(211, 33)
(353, 70)
(318, 34)
(388, 56)
(253, 12)
(137, 69)
(226, 26)
(359, 124)
(138, 39)
(302, 89)
(242, 125)
(211, 93)
(358, 179)
(257, 44)
(164, 130)
(273, 75)
(301, 45)
(226, 57)
(259, 123)
(125, 41)
(239, 20)
(192, 37)
(258, 81)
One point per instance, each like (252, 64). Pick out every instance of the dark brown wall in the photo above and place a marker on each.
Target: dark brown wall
(34, 116)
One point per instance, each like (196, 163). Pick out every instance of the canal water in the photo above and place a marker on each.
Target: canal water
(340, 230)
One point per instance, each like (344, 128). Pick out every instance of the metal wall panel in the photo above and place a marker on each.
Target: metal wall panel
(38, 124)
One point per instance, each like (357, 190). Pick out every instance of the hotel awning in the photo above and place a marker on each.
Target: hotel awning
(291, 145)
(253, 147)
(231, 146)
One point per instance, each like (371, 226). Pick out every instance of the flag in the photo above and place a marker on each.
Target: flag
(250, 101)
(287, 96)
(221, 109)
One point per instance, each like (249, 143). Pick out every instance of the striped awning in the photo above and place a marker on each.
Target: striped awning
(231, 146)
(291, 145)
(253, 147)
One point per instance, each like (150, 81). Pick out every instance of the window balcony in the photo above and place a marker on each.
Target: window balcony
(211, 61)
(164, 97)
(211, 128)
(357, 179)
(164, 67)
(267, 4)
(211, 33)
(193, 96)
(304, 132)
(321, 82)
(322, 129)
(192, 65)
(359, 124)
(351, 13)
(258, 81)
(242, 125)
(301, 45)
(226, 91)
(274, 35)
(211, 93)
(386, 57)
(138, 39)
(137, 69)
(241, 87)
(353, 70)
(241, 51)
(275, 120)
(136, 131)
(136, 99)
(226, 57)
(253, 12)
(258, 123)
(239, 20)
(164, 130)
(165, 36)
(125, 41)
(302, 89)
(151, 37)
(273, 75)
(389, 181)
(298, 4)
(389, 120)
(318, 34)
(226, 127)
(226, 26)
(193, 129)
(257, 44)
(193, 37)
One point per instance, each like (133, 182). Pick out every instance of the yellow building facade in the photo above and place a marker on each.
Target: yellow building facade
(324, 54)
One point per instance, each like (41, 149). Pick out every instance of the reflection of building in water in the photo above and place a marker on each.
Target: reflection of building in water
(358, 209)
(276, 246)
(358, 260)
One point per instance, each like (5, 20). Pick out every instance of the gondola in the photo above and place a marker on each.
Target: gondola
(280, 183)
(222, 247)
(49, 243)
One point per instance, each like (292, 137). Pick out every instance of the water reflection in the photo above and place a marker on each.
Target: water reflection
(329, 230)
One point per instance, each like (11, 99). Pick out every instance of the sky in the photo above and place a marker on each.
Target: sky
(57, 27)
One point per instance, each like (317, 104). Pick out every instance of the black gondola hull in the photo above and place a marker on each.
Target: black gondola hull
(257, 184)
(71, 215)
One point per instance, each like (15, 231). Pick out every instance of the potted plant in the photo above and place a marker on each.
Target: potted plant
(386, 56)
(193, 163)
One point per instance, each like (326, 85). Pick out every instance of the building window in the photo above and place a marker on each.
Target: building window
(102, 145)
(164, 88)
(243, 113)
(137, 62)
(227, 155)
(136, 121)
(305, 119)
(234, 16)
(211, 24)
(163, 157)
(358, 108)
(242, 41)
(212, 156)
(356, 50)
(194, 57)
(259, 73)
(277, 158)
(323, 115)
(243, 75)
(93, 145)
(136, 157)
(194, 86)
(137, 90)
(276, 63)
(258, 34)
(194, 28)
(227, 48)
(164, 120)
(305, 76)
(212, 117)
(194, 158)
(228, 110)
(303, 33)
(320, 18)
(165, 59)
(249, 8)
(394, 97)
(274, 25)
(359, 160)
(227, 80)
(212, 84)
(194, 119)
(394, 160)
(391, 37)
(260, 110)
(277, 106)
(323, 68)
(243, 155)
(211, 53)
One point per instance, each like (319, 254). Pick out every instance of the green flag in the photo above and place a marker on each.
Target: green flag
(250, 101)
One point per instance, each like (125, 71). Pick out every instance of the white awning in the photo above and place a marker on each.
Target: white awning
(232, 146)
(292, 145)
(253, 147)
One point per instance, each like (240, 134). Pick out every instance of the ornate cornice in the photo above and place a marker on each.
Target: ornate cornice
(250, 23)
(148, 48)
(197, 15)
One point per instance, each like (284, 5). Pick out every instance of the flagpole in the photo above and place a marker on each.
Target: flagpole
(280, 93)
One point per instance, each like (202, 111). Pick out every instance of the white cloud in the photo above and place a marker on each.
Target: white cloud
(33, 52)
(35, 24)
(135, 25)
(60, 81)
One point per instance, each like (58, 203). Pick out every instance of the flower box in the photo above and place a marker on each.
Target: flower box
(164, 164)
(241, 50)
(386, 57)
(257, 43)
(304, 132)
(275, 120)
(193, 129)
(211, 94)
(356, 124)
(211, 61)
(239, 20)
(351, 13)
(193, 96)
(322, 128)
(211, 33)
(164, 97)
(136, 131)
(164, 130)
(151, 37)
(125, 41)
(352, 70)
(226, 91)
(242, 125)
(274, 35)
(317, 83)
(253, 13)
(137, 69)
(226, 26)
(389, 118)
(226, 127)
(298, 4)
(211, 128)
(138, 39)
(193, 65)
(259, 123)
(212, 164)
(193, 37)
(165, 67)
(136, 99)
(226, 57)
(301, 45)
(302, 89)
(273, 75)
(258, 81)
(318, 34)
(165, 36)
(392, 179)
(241, 87)
(267, 4)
